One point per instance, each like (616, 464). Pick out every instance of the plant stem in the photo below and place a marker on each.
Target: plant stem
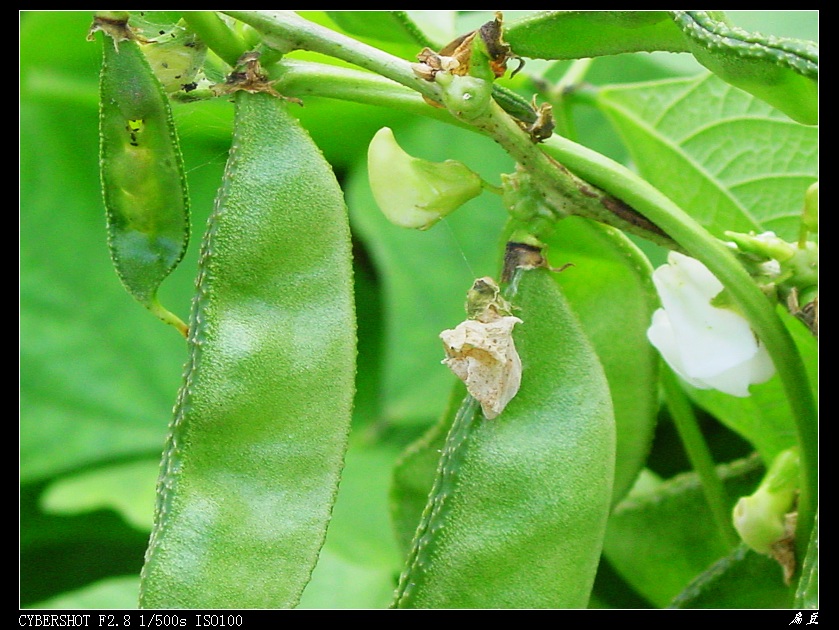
(565, 192)
(216, 34)
(287, 31)
(700, 456)
(307, 78)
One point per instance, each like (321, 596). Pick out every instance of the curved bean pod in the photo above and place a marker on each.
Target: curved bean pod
(141, 168)
(518, 511)
(781, 71)
(255, 451)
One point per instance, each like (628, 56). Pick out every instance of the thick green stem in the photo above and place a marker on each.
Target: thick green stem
(564, 191)
(216, 34)
(699, 455)
(307, 78)
(287, 31)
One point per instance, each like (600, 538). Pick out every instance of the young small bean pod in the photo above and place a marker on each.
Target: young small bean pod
(256, 447)
(517, 515)
(141, 168)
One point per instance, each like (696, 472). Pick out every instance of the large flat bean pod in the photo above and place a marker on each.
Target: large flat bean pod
(257, 444)
(517, 516)
(141, 168)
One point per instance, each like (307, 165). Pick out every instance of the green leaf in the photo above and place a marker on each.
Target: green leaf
(743, 579)
(724, 156)
(110, 593)
(424, 275)
(78, 405)
(610, 291)
(359, 559)
(125, 488)
(60, 553)
(660, 539)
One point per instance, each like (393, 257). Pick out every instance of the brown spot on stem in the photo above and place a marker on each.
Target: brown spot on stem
(630, 215)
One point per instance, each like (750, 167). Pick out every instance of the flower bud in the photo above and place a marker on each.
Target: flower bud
(412, 192)
(761, 518)
(709, 346)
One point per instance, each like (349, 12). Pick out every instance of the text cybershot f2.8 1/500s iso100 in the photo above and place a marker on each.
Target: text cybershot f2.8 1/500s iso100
(136, 619)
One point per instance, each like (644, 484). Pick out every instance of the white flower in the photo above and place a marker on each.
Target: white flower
(708, 346)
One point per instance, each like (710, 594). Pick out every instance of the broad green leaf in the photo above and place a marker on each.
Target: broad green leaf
(340, 583)
(743, 579)
(425, 275)
(727, 158)
(660, 539)
(78, 403)
(764, 418)
(125, 488)
(111, 593)
(609, 289)
(359, 559)
(68, 552)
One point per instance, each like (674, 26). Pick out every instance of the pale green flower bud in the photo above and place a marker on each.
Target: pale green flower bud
(761, 518)
(412, 192)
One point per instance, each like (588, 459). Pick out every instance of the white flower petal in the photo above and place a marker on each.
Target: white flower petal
(709, 347)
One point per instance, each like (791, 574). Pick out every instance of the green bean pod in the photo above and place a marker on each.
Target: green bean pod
(781, 71)
(254, 454)
(517, 514)
(141, 168)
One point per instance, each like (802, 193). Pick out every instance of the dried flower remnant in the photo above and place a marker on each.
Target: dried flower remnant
(456, 57)
(481, 351)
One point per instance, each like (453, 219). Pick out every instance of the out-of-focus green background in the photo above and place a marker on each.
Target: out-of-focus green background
(99, 375)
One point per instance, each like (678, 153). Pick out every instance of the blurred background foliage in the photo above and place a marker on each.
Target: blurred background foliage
(99, 375)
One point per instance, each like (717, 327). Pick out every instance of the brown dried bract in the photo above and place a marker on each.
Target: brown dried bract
(456, 56)
(525, 256)
(248, 76)
(116, 27)
(542, 128)
(808, 314)
(499, 50)
(783, 550)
